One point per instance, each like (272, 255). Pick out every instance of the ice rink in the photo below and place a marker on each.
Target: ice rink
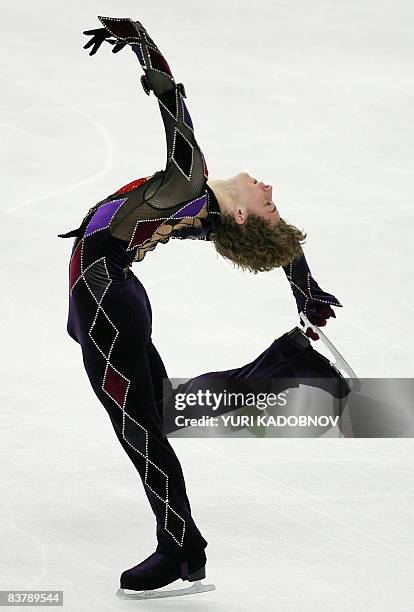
(313, 97)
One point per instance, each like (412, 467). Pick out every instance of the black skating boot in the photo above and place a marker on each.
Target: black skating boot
(159, 570)
(309, 365)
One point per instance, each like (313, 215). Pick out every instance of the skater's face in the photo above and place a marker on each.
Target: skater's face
(256, 198)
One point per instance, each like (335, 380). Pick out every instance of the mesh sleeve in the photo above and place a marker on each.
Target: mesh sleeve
(185, 168)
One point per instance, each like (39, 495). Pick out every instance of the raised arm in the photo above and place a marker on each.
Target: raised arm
(126, 31)
(185, 169)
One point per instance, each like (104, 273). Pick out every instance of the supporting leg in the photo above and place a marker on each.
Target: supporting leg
(138, 426)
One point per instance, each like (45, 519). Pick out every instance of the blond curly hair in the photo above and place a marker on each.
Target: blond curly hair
(256, 245)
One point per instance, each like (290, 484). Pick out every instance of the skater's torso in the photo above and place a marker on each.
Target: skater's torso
(95, 238)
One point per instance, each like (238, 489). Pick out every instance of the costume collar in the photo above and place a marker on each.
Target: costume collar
(213, 209)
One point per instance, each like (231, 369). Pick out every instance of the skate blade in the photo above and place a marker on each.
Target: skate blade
(197, 587)
(340, 361)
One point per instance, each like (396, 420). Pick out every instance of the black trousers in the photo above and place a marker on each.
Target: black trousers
(126, 373)
(110, 317)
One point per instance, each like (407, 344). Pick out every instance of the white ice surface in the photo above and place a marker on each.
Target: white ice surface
(315, 97)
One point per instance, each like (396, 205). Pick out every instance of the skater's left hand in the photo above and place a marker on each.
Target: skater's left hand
(315, 303)
(317, 315)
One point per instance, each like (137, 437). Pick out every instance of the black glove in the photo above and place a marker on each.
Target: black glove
(129, 33)
(310, 298)
(99, 35)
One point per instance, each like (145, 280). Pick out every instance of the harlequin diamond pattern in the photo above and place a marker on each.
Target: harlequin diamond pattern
(157, 480)
(143, 230)
(182, 154)
(115, 385)
(103, 332)
(124, 28)
(149, 39)
(191, 209)
(174, 524)
(158, 61)
(136, 435)
(169, 100)
(97, 278)
(103, 216)
(104, 335)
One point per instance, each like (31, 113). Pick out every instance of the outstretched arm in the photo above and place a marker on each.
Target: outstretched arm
(185, 170)
(315, 303)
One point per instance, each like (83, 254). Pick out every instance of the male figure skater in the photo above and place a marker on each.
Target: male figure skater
(110, 313)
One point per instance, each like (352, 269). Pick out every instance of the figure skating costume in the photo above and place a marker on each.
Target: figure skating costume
(110, 312)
